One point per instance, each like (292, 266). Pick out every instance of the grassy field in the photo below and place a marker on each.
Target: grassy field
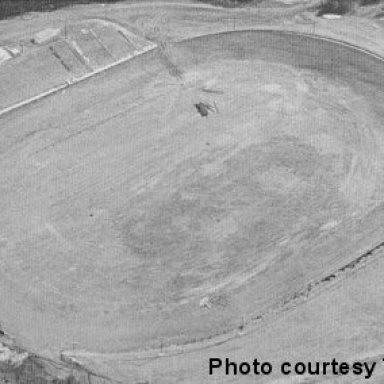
(342, 7)
(12, 8)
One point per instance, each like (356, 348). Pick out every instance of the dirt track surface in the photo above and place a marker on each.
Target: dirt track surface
(124, 208)
(123, 179)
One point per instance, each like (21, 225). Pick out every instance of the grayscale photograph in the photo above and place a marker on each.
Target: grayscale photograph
(191, 191)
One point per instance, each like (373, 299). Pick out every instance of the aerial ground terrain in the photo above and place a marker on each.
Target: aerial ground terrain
(181, 181)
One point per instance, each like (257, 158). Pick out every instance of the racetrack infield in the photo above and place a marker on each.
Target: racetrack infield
(123, 208)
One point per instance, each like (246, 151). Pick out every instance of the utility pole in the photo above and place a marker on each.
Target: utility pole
(242, 325)
(161, 347)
